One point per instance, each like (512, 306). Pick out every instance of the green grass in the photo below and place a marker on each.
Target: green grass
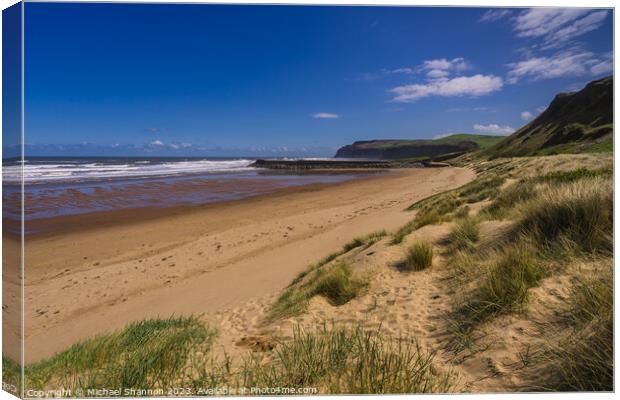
(503, 205)
(364, 242)
(461, 212)
(337, 285)
(443, 207)
(575, 216)
(335, 282)
(146, 355)
(419, 256)
(11, 376)
(348, 361)
(604, 146)
(584, 360)
(176, 353)
(509, 279)
(560, 217)
(484, 141)
(526, 188)
(465, 233)
(504, 288)
(479, 189)
(574, 175)
(465, 266)
(429, 218)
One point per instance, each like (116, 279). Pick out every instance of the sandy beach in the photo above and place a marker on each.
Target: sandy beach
(100, 271)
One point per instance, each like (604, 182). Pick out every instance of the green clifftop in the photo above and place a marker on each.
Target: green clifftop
(574, 122)
(432, 148)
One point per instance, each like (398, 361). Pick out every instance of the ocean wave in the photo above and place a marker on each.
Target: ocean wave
(70, 171)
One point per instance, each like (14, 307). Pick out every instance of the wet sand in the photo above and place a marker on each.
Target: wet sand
(97, 272)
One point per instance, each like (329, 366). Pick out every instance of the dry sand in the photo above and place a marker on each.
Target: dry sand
(224, 261)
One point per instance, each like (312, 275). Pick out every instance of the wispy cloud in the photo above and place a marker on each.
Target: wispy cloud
(494, 129)
(437, 68)
(572, 62)
(495, 14)
(468, 109)
(603, 65)
(476, 85)
(324, 115)
(526, 115)
(442, 64)
(442, 67)
(405, 70)
(180, 145)
(557, 26)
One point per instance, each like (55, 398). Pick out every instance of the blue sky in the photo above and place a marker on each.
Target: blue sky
(293, 80)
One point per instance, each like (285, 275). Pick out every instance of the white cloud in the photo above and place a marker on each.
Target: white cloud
(437, 73)
(526, 115)
(157, 142)
(181, 145)
(443, 135)
(442, 64)
(604, 66)
(467, 109)
(403, 71)
(556, 26)
(324, 115)
(495, 15)
(541, 109)
(572, 62)
(494, 129)
(476, 85)
(438, 68)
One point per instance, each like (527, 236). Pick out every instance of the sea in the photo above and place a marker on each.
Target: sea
(60, 186)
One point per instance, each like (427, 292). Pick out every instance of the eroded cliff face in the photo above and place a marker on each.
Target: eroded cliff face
(395, 149)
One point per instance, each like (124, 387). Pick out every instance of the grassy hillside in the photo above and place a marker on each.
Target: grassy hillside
(573, 123)
(483, 141)
(429, 148)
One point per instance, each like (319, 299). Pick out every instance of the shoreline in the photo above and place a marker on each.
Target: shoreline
(60, 225)
(85, 282)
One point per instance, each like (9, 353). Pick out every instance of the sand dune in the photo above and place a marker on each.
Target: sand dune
(224, 261)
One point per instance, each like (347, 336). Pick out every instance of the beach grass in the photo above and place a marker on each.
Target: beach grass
(503, 288)
(335, 282)
(349, 361)
(583, 361)
(445, 206)
(558, 218)
(465, 233)
(11, 375)
(145, 355)
(419, 256)
(161, 355)
(363, 242)
(526, 188)
(576, 216)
